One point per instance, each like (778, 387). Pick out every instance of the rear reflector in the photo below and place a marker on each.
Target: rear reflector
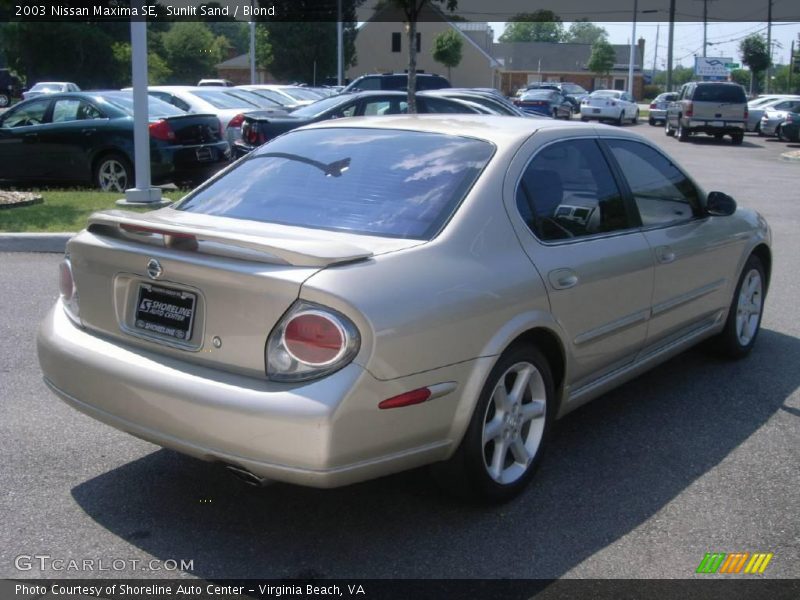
(407, 399)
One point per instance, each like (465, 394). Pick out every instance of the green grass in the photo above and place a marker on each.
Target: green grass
(62, 211)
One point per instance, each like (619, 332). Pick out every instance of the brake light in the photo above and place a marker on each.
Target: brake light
(789, 119)
(746, 113)
(309, 342)
(67, 290)
(314, 338)
(688, 111)
(236, 121)
(653, 105)
(161, 130)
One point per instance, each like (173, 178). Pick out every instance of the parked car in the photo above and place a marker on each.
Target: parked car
(571, 91)
(10, 87)
(229, 109)
(396, 81)
(754, 113)
(325, 311)
(50, 87)
(258, 129)
(215, 82)
(546, 102)
(609, 105)
(494, 102)
(658, 108)
(773, 118)
(87, 138)
(790, 128)
(287, 102)
(710, 107)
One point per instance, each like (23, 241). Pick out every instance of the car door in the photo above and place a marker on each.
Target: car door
(75, 127)
(20, 152)
(585, 243)
(695, 256)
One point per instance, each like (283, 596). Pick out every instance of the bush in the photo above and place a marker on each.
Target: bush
(651, 91)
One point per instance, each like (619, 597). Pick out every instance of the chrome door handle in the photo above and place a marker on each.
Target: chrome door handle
(562, 279)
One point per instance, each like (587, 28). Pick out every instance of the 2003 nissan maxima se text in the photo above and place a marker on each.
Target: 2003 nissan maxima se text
(364, 296)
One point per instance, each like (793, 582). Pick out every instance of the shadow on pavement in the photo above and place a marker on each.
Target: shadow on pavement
(611, 466)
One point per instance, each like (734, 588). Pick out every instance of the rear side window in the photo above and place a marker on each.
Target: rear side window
(366, 181)
(719, 93)
(568, 191)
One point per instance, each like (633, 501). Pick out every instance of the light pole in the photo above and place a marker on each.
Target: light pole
(633, 48)
(252, 47)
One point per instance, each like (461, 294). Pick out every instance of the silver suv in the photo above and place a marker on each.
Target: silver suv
(708, 107)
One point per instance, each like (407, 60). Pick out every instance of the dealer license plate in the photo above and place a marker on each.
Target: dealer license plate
(165, 311)
(204, 154)
(596, 111)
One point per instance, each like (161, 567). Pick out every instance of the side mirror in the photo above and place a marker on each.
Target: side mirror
(719, 204)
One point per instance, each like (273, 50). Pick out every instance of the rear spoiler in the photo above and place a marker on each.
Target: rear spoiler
(295, 251)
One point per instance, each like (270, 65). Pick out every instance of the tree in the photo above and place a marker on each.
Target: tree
(192, 51)
(302, 51)
(741, 76)
(412, 9)
(157, 70)
(538, 26)
(754, 53)
(584, 32)
(602, 58)
(447, 48)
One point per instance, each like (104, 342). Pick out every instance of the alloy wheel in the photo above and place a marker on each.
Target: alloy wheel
(112, 176)
(748, 307)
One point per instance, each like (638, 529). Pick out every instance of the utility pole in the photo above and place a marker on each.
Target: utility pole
(705, 26)
(655, 54)
(632, 54)
(769, 45)
(252, 47)
(669, 44)
(791, 67)
(339, 45)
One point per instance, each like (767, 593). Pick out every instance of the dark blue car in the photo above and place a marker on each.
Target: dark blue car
(545, 102)
(87, 138)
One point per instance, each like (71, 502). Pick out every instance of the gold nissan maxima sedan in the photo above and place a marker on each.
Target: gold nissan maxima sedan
(364, 296)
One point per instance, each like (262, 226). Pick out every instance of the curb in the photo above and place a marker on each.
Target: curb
(34, 242)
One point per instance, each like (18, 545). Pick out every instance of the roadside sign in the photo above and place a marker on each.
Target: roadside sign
(707, 66)
(732, 65)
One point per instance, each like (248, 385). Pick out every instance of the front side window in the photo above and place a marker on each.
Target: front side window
(73, 109)
(663, 194)
(27, 114)
(380, 182)
(394, 106)
(568, 191)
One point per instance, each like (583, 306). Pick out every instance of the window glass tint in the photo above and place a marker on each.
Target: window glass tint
(719, 93)
(222, 100)
(369, 181)
(155, 107)
(439, 105)
(568, 191)
(259, 101)
(65, 110)
(27, 114)
(663, 194)
(395, 106)
(319, 107)
(368, 83)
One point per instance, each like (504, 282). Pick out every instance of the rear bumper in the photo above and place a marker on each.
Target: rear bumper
(712, 126)
(324, 433)
(176, 162)
(588, 112)
(658, 114)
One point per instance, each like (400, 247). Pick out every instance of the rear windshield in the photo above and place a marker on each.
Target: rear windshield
(156, 108)
(221, 100)
(719, 93)
(367, 181)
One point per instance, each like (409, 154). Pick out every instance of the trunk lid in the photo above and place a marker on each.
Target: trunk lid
(207, 290)
(194, 129)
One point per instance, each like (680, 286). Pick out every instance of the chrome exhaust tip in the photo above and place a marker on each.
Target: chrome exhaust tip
(247, 477)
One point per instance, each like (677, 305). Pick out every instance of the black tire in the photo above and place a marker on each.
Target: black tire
(719, 136)
(618, 122)
(730, 342)
(682, 134)
(113, 172)
(584, 120)
(5, 100)
(635, 119)
(779, 133)
(468, 472)
(669, 131)
(652, 122)
(737, 139)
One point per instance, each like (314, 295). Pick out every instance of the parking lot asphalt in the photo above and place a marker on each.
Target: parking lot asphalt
(699, 455)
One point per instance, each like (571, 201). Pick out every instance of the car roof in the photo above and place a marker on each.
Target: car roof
(499, 130)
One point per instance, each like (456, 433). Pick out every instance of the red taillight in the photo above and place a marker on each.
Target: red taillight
(653, 105)
(746, 113)
(407, 399)
(236, 121)
(689, 110)
(66, 284)
(161, 130)
(314, 339)
(789, 118)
